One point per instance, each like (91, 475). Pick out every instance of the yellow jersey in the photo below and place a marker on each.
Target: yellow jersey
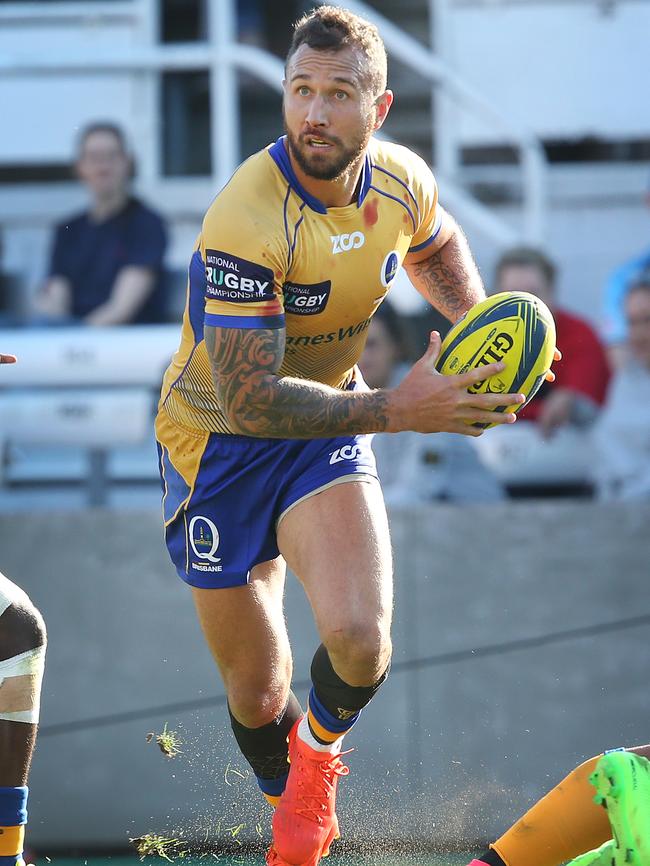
(270, 255)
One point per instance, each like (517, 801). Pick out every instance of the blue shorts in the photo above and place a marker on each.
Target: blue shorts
(223, 495)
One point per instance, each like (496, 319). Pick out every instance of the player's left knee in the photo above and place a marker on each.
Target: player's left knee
(22, 650)
(360, 651)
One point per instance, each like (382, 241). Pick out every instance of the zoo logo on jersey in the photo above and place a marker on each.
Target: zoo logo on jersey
(229, 278)
(343, 243)
(204, 540)
(389, 268)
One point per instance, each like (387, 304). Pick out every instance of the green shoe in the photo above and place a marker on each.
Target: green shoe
(622, 782)
(603, 856)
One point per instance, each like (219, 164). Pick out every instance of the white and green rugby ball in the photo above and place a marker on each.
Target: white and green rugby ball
(514, 327)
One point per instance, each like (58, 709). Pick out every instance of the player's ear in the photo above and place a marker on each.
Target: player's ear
(382, 107)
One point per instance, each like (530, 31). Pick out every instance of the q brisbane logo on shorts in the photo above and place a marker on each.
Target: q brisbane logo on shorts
(389, 268)
(204, 541)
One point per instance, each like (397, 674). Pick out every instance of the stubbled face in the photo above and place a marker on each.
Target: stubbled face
(526, 278)
(637, 313)
(329, 111)
(102, 165)
(380, 355)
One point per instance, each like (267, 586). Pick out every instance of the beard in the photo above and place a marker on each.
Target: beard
(327, 166)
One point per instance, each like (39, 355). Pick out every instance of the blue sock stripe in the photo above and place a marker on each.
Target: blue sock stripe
(13, 807)
(272, 787)
(326, 719)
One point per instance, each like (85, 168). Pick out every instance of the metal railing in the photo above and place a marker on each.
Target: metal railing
(223, 56)
(445, 82)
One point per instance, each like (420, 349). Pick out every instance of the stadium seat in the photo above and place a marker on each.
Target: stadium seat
(529, 465)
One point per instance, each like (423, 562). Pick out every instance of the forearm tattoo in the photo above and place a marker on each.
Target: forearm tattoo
(258, 402)
(449, 278)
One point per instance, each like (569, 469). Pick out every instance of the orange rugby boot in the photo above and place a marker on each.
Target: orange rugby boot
(305, 822)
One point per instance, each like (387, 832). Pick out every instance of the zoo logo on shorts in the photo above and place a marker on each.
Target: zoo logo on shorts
(204, 541)
(347, 452)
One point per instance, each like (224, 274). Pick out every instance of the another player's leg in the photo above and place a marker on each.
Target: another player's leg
(565, 825)
(22, 659)
(245, 629)
(622, 783)
(344, 564)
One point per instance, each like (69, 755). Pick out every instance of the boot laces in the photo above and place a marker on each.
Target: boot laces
(322, 777)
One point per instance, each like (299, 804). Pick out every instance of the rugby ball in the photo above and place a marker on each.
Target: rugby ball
(514, 327)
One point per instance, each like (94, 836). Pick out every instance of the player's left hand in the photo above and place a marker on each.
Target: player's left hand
(550, 376)
(7, 359)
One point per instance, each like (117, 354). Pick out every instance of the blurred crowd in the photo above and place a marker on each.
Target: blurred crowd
(107, 267)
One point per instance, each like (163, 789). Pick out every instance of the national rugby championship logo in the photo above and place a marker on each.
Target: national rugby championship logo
(305, 299)
(229, 278)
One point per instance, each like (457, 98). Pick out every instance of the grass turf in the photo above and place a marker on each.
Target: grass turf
(249, 860)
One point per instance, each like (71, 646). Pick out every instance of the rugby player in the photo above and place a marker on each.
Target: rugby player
(22, 659)
(264, 422)
(571, 819)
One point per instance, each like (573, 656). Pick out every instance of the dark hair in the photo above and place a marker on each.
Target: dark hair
(393, 322)
(101, 126)
(330, 28)
(528, 257)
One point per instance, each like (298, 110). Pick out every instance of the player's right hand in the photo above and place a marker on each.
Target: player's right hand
(428, 402)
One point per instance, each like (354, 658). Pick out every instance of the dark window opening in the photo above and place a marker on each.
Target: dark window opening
(589, 149)
(186, 123)
(183, 20)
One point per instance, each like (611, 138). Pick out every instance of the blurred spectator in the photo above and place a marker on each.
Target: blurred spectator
(622, 433)
(583, 373)
(614, 314)
(415, 467)
(107, 263)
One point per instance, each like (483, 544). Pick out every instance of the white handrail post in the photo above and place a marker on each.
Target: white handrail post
(146, 141)
(224, 102)
(444, 116)
(533, 166)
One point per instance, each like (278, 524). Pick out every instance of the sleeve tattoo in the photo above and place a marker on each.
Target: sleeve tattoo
(449, 278)
(258, 402)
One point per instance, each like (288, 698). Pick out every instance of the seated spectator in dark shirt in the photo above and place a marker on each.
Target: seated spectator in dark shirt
(582, 375)
(107, 263)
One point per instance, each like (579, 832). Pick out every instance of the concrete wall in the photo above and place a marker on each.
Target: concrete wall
(461, 738)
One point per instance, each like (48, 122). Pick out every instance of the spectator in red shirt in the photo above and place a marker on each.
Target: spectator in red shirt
(582, 375)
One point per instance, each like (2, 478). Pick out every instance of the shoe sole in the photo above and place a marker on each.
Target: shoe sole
(603, 856)
(333, 836)
(622, 782)
(315, 859)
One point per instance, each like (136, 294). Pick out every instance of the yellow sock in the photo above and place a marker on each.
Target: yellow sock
(13, 817)
(273, 800)
(564, 823)
(11, 843)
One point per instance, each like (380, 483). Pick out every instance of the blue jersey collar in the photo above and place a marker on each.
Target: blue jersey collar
(281, 158)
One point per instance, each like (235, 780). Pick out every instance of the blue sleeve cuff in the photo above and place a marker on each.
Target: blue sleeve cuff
(429, 241)
(216, 321)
